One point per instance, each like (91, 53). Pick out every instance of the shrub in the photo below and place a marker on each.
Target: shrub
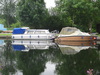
(0, 31)
(16, 25)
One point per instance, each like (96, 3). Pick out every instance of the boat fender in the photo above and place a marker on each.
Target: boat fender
(94, 38)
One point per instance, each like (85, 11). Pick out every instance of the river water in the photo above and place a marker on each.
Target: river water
(34, 57)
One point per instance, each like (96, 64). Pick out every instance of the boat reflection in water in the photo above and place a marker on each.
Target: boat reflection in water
(26, 45)
(69, 47)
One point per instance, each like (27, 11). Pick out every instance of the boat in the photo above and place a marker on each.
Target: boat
(26, 33)
(74, 34)
(26, 45)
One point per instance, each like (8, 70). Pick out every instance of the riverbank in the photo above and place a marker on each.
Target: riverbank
(5, 35)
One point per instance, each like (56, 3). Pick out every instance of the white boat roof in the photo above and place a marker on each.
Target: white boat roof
(38, 30)
(25, 27)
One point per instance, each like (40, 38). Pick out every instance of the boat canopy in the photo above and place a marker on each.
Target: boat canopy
(18, 31)
(72, 31)
(68, 30)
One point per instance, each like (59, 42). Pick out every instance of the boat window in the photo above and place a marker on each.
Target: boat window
(29, 32)
(42, 31)
(39, 32)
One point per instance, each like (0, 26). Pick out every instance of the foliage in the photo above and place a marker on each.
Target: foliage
(16, 25)
(62, 17)
(80, 13)
(0, 31)
(83, 14)
(54, 23)
(97, 4)
(32, 12)
(2, 21)
(7, 8)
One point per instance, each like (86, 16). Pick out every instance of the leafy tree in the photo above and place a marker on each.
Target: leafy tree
(81, 13)
(32, 13)
(54, 23)
(8, 11)
(97, 4)
(16, 25)
(2, 21)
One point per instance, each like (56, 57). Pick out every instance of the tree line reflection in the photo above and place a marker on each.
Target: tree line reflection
(34, 61)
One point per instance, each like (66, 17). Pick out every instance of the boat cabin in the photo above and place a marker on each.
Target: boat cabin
(35, 31)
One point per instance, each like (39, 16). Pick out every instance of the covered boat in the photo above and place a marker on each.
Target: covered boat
(74, 34)
(26, 33)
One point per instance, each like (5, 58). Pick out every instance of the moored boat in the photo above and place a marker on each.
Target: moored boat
(26, 33)
(74, 34)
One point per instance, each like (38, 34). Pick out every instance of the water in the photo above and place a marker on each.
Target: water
(35, 57)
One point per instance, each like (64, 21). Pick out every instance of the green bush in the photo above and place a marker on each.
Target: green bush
(2, 21)
(0, 31)
(16, 25)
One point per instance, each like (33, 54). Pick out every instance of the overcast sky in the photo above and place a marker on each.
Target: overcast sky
(50, 3)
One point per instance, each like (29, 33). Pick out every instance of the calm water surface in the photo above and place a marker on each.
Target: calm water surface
(48, 58)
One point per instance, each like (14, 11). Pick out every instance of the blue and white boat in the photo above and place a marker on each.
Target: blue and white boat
(26, 33)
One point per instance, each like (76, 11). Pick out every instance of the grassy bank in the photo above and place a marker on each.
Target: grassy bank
(5, 34)
(9, 34)
(98, 35)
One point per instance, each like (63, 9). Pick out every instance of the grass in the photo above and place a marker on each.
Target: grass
(98, 35)
(5, 34)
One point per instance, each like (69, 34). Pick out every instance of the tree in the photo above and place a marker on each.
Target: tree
(97, 4)
(32, 13)
(80, 13)
(54, 23)
(8, 11)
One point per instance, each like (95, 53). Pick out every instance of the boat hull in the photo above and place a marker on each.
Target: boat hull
(76, 43)
(34, 37)
(76, 38)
